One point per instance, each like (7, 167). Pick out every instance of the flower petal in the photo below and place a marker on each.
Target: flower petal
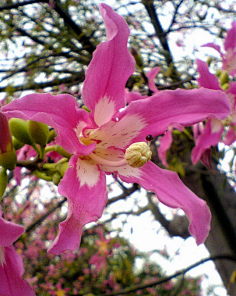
(151, 75)
(206, 139)
(230, 39)
(184, 107)
(206, 79)
(118, 134)
(11, 271)
(57, 111)
(111, 66)
(172, 192)
(9, 232)
(84, 185)
(230, 137)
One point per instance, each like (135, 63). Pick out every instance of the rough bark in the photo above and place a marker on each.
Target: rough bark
(221, 198)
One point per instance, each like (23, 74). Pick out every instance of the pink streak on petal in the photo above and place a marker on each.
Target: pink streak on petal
(85, 204)
(10, 274)
(184, 107)
(120, 133)
(172, 192)
(206, 79)
(205, 140)
(111, 66)
(57, 111)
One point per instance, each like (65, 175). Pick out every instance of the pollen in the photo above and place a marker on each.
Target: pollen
(137, 154)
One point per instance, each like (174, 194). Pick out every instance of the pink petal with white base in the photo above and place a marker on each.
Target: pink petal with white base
(85, 187)
(184, 107)
(57, 111)
(107, 73)
(172, 192)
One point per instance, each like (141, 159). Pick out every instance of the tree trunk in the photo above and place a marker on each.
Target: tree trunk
(212, 186)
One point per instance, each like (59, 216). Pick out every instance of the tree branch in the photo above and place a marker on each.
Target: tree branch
(168, 278)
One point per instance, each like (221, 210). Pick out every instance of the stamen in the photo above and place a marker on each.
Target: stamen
(107, 162)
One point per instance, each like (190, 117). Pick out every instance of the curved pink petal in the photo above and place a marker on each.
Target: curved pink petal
(133, 96)
(230, 39)
(165, 143)
(214, 46)
(230, 137)
(153, 115)
(172, 192)
(151, 75)
(57, 111)
(84, 185)
(107, 73)
(11, 271)
(9, 232)
(206, 79)
(205, 140)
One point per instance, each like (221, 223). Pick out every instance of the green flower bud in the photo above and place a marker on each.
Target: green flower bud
(56, 178)
(52, 135)
(3, 181)
(224, 78)
(62, 167)
(225, 86)
(137, 154)
(17, 144)
(38, 132)
(18, 129)
(7, 151)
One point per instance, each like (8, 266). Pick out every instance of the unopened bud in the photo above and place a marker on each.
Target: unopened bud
(7, 151)
(62, 167)
(38, 132)
(18, 129)
(56, 178)
(3, 181)
(225, 86)
(17, 144)
(224, 78)
(137, 154)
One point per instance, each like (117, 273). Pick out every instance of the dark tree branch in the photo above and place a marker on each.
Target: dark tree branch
(35, 86)
(38, 221)
(168, 278)
(160, 33)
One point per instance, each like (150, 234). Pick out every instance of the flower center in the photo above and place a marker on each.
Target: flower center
(136, 155)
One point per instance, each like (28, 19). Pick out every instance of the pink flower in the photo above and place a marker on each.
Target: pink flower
(99, 140)
(11, 266)
(229, 54)
(210, 134)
